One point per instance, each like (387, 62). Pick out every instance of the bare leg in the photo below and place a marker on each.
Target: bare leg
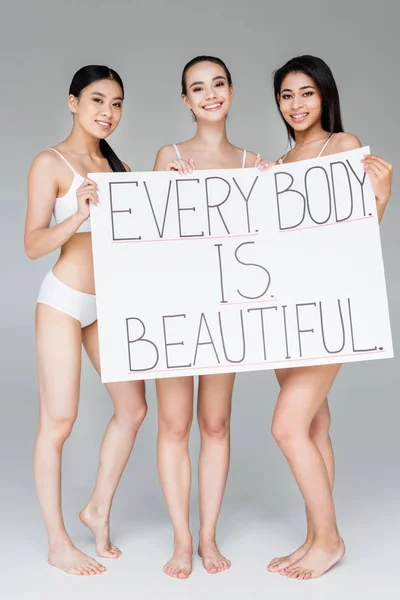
(129, 412)
(319, 433)
(175, 416)
(302, 395)
(214, 413)
(58, 343)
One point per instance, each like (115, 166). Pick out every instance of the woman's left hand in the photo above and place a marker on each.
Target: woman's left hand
(380, 172)
(264, 164)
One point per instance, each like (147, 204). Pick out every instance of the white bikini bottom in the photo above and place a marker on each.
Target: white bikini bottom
(60, 296)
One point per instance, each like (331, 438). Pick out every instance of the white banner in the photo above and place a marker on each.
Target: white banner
(238, 270)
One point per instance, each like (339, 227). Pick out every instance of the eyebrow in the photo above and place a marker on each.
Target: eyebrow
(214, 78)
(302, 88)
(103, 96)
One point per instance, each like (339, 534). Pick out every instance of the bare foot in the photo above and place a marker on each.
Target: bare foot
(283, 562)
(316, 562)
(213, 560)
(71, 560)
(100, 527)
(180, 565)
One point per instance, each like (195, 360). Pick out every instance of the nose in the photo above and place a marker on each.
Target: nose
(297, 102)
(210, 93)
(105, 111)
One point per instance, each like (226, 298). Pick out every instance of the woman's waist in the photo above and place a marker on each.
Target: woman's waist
(75, 264)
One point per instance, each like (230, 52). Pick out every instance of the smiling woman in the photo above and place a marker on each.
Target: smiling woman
(207, 91)
(66, 313)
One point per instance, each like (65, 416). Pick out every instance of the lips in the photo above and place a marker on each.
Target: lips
(212, 107)
(298, 117)
(104, 124)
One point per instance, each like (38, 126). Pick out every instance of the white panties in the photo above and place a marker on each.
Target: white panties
(60, 296)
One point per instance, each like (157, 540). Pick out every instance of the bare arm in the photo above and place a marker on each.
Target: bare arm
(41, 239)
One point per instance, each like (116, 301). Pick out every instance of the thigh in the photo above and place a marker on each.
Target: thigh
(125, 395)
(303, 393)
(215, 395)
(58, 347)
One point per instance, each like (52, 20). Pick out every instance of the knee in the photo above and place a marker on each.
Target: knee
(58, 429)
(319, 429)
(284, 432)
(216, 428)
(131, 419)
(176, 430)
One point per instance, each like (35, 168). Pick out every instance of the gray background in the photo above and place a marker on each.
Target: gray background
(42, 44)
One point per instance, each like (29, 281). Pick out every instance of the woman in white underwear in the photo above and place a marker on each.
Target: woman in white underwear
(207, 92)
(66, 314)
(308, 100)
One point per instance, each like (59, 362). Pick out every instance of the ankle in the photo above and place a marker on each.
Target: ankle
(207, 538)
(183, 540)
(60, 543)
(97, 511)
(330, 540)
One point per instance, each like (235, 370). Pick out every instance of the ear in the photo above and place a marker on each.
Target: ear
(72, 103)
(186, 101)
(278, 98)
(231, 89)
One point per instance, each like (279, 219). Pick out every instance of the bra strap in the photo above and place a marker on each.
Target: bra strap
(177, 151)
(325, 145)
(244, 159)
(64, 159)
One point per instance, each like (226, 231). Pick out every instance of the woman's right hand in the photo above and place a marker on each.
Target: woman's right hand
(182, 166)
(86, 193)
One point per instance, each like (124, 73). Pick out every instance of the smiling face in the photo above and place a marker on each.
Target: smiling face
(300, 102)
(208, 93)
(98, 109)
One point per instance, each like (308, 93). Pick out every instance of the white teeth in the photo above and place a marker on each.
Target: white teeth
(104, 124)
(211, 106)
(299, 116)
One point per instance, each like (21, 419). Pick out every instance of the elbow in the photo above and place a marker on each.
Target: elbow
(30, 253)
(30, 250)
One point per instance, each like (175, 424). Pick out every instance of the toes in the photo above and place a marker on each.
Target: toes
(183, 575)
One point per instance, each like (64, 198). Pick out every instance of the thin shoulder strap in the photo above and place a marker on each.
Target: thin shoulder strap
(325, 145)
(177, 151)
(64, 159)
(280, 160)
(244, 159)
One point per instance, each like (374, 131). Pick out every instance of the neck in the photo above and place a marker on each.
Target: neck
(212, 135)
(314, 133)
(83, 143)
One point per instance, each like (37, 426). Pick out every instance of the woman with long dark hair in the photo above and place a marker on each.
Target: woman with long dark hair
(308, 100)
(66, 314)
(207, 92)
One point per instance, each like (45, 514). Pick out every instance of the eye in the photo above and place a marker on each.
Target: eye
(220, 84)
(308, 94)
(197, 89)
(286, 96)
(118, 105)
(97, 100)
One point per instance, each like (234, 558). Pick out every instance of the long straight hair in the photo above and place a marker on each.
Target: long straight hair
(84, 77)
(322, 76)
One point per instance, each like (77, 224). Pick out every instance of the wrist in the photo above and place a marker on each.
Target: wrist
(78, 218)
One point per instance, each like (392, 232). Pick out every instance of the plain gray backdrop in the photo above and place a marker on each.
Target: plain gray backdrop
(43, 42)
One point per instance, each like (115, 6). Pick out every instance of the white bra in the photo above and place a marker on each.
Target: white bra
(68, 205)
(243, 161)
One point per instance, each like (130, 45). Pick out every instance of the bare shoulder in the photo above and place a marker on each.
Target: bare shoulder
(166, 153)
(342, 142)
(251, 158)
(127, 167)
(45, 161)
